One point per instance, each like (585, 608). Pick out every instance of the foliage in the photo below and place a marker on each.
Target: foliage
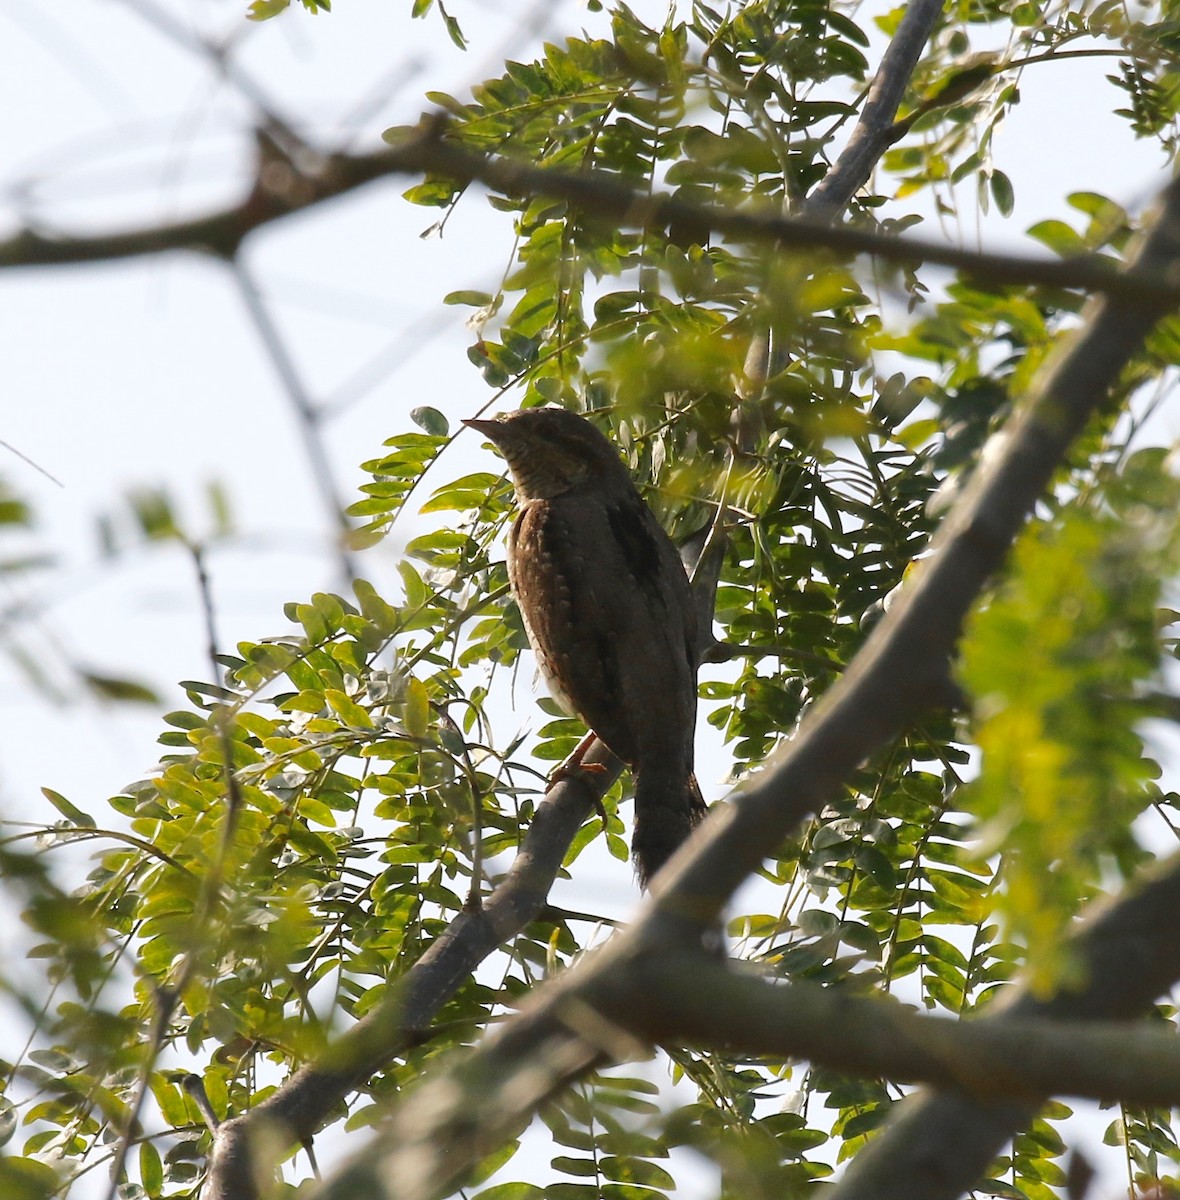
(373, 765)
(1057, 662)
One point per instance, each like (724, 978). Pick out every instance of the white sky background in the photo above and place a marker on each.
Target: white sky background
(149, 372)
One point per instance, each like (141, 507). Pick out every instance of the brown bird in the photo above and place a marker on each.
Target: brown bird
(608, 610)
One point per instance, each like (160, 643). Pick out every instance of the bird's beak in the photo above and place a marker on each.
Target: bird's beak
(486, 425)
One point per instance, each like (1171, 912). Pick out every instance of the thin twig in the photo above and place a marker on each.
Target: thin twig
(219, 56)
(35, 465)
(307, 415)
(194, 1085)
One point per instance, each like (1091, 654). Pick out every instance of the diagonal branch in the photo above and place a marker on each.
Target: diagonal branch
(872, 135)
(307, 1099)
(874, 132)
(440, 1131)
(308, 417)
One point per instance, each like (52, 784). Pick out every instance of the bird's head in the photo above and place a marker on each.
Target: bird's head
(551, 451)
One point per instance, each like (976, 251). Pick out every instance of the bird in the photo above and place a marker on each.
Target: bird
(608, 610)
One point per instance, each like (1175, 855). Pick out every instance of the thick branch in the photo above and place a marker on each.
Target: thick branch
(1012, 1056)
(904, 662)
(707, 1006)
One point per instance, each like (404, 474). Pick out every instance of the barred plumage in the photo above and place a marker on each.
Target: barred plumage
(608, 610)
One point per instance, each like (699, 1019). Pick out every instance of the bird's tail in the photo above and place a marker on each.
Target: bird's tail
(667, 809)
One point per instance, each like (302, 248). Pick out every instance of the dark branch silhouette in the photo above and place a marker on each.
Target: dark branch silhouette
(287, 181)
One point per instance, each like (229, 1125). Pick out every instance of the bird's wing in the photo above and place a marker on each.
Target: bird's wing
(609, 612)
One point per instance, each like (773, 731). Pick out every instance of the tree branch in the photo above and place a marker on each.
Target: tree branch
(308, 417)
(425, 149)
(938, 1143)
(874, 132)
(707, 1006)
(1007, 1060)
(245, 1145)
(289, 181)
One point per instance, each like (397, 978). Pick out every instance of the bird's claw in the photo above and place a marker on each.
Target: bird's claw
(574, 765)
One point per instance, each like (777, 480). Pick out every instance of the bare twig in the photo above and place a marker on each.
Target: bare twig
(219, 56)
(36, 466)
(194, 1085)
(307, 415)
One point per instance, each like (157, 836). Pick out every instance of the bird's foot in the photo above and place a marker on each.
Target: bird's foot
(573, 765)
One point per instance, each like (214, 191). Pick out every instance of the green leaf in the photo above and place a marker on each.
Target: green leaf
(585, 1167)
(1058, 237)
(347, 709)
(1002, 192)
(27, 1179)
(463, 494)
(636, 1171)
(431, 420)
(151, 1169)
(452, 27)
(8, 1120)
(417, 593)
(125, 691)
(473, 300)
(511, 1191)
(262, 10)
(70, 811)
(416, 713)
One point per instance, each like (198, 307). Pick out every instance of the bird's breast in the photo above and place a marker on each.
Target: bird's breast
(544, 579)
